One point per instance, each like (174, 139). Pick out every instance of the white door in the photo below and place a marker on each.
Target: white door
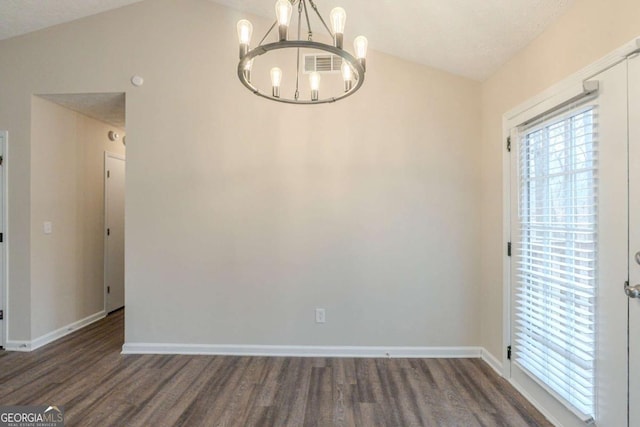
(114, 224)
(634, 238)
(569, 233)
(3, 233)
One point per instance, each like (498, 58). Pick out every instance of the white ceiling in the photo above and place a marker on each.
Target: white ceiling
(106, 107)
(24, 16)
(471, 38)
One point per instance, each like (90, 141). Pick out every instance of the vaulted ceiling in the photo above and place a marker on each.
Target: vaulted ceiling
(24, 16)
(471, 38)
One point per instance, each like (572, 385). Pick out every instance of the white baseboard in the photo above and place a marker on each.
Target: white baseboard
(535, 403)
(53, 335)
(302, 351)
(66, 330)
(492, 361)
(17, 346)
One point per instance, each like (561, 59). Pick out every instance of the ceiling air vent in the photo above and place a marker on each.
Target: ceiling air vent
(322, 63)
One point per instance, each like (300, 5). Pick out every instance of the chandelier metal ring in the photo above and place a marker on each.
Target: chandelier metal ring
(352, 67)
(356, 66)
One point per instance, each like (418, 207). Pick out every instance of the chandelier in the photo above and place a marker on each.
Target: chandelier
(351, 68)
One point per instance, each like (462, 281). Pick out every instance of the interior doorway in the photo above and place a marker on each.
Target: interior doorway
(71, 134)
(114, 185)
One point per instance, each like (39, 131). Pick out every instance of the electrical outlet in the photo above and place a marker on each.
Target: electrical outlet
(321, 315)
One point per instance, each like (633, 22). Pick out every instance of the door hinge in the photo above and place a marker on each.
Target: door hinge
(1, 160)
(1, 237)
(108, 232)
(108, 174)
(509, 352)
(509, 144)
(1, 314)
(108, 289)
(508, 248)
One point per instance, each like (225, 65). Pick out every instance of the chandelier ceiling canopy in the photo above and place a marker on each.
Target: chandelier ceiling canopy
(343, 71)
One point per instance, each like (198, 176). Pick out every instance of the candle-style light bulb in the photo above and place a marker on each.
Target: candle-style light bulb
(360, 45)
(314, 82)
(283, 15)
(338, 19)
(347, 76)
(245, 30)
(276, 79)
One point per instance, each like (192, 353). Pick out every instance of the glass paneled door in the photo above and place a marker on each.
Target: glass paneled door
(569, 232)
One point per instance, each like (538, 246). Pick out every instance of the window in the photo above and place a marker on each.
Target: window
(557, 259)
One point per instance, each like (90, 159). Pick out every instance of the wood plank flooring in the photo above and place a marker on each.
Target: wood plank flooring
(99, 387)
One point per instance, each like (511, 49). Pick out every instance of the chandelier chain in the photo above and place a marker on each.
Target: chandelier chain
(296, 95)
(268, 32)
(306, 14)
(313, 5)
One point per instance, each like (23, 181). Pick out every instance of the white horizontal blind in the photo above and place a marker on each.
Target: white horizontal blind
(557, 257)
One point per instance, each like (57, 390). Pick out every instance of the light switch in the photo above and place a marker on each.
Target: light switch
(47, 227)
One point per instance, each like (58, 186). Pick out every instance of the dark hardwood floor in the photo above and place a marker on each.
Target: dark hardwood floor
(99, 387)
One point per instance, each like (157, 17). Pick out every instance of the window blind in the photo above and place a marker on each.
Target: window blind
(556, 261)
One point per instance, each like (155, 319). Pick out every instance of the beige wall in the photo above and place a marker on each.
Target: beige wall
(244, 215)
(67, 189)
(587, 32)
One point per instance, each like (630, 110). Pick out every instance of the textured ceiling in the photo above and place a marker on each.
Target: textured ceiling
(23, 16)
(106, 107)
(471, 38)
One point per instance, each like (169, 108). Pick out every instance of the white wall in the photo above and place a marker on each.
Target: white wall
(67, 189)
(244, 215)
(586, 32)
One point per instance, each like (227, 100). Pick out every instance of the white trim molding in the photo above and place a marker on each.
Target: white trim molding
(578, 77)
(492, 361)
(4, 262)
(66, 330)
(17, 345)
(54, 335)
(302, 351)
(535, 403)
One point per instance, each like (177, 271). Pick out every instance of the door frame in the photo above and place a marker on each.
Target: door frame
(633, 104)
(557, 93)
(4, 261)
(107, 155)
